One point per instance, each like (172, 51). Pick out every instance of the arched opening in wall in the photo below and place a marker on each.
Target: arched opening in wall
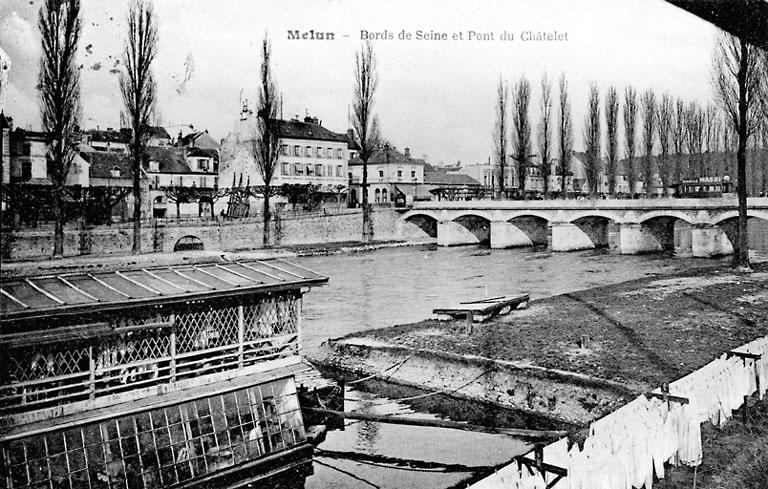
(188, 243)
(535, 228)
(598, 229)
(377, 198)
(383, 196)
(659, 234)
(475, 229)
(423, 225)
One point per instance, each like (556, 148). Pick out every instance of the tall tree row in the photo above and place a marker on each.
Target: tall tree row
(665, 127)
(364, 122)
(612, 129)
(500, 136)
(630, 130)
(648, 102)
(521, 129)
(678, 140)
(59, 90)
(592, 140)
(545, 133)
(137, 86)
(564, 133)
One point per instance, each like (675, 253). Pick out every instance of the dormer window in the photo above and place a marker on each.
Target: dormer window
(154, 166)
(115, 172)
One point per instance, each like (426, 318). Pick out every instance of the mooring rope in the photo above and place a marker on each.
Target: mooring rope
(398, 365)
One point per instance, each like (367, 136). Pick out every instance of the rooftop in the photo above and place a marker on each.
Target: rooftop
(75, 293)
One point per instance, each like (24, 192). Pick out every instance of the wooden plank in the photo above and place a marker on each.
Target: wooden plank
(744, 354)
(441, 423)
(667, 397)
(485, 307)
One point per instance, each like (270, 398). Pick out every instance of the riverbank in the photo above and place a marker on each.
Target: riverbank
(640, 334)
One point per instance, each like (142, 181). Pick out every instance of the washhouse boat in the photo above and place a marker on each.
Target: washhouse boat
(179, 376)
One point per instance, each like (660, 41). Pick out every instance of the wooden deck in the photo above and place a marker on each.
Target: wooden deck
(485, 308)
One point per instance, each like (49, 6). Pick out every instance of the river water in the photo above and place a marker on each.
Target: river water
(393, 286)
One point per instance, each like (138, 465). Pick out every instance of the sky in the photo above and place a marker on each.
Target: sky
(434, 96)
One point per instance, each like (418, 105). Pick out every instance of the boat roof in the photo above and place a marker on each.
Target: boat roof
(81, 292)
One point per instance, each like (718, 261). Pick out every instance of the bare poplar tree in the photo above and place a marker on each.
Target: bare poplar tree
(665, 127)
(521, 129)
(678, 140)
(737, 82)
(592, 141)
(264, 145)
(729, 147)
(648, 102)
(59, 90)
(565, 134)
(500, 135)
(630, 126)
(710, 123)
(694, 133)
(364, 122)
(545, 132)
(138, 88)
(612, 128)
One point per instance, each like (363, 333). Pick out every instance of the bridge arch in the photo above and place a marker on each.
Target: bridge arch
(611, 216)
(466, 228)
(422, 224)
(596, 226)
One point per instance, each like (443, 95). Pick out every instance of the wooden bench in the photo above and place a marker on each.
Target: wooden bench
(486, 308)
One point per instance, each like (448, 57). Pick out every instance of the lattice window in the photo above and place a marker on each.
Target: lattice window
(274, 315)
(206, 328)
(44, 361)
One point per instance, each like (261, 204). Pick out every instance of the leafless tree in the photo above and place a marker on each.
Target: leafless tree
(737, 82)
(138, 88)
(612, 128)
(545, 133)
(265, 143)
(59, 90)
(565, 134)
(592, 136)
(694, 138)
(630, 126)
(364, 122)
(710, 123)
(665, 128)
(521, 129)
(648, 102)
(729, 147)
(678, 140)
(500, 135)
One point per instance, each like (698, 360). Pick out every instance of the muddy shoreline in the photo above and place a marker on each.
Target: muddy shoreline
(641, 333)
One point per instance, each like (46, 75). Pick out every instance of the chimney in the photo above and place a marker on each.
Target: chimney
(408, 153)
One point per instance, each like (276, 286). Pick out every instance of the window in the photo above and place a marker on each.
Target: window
(154, 166)
(378, 196)
(413, 173)
(309, 152)
(297, 150)
(284, 149)
(339, 169)
(339, 153)
(298, 169)
(329, 153)
(310, 170)
(383, 196)
(162, 447)
(381, 173)
(319, 152)
(202, 164)
(286, 168)
(399, 174)
(319, 170)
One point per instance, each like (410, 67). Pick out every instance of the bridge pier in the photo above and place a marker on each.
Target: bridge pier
(452, 233)
(567, 236)
(506, 235)
(634, 239)
(710, 240)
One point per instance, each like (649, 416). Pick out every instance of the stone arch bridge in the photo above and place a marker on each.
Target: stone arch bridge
(707, 226)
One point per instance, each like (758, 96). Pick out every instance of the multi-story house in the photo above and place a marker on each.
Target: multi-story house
(186, 178)
(392, 177)
(308, 154)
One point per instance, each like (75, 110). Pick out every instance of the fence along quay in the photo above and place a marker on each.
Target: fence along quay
(176, 376)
